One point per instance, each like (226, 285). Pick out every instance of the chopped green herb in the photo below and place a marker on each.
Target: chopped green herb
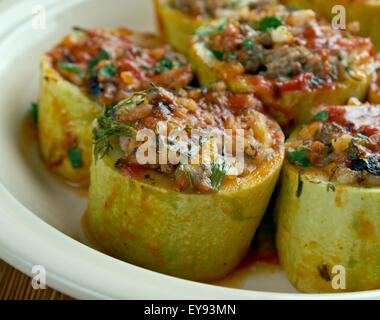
(371, 164)
(204, 32)
(230, 56)
(285, 77)
(166, 64)
(189, 177)
(324, 272)
(353, 150)
(348, 70)
(300, 184)
(248, 44)
(331, 187)
(147, 68)
(260, 54)
(137, 50)
(218, 54)
(270, 23)
(218, 172)
(34, 112)
(71, 68)
(103, 55)
(75, 157)
(108, 70)
(299, 157)
(333, 171)
(322, 116)
(107, 126)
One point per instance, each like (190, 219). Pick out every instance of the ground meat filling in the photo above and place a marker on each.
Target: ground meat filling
(278, 43)
(109, 64)
(342, 144)
(202, 115)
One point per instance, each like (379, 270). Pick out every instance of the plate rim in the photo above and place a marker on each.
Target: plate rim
(18, 222)
(43, 236)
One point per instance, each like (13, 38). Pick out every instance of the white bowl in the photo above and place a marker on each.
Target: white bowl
(40, 219)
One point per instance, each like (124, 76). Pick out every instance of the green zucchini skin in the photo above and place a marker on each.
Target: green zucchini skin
(65, 114)
(193, 236)
(318, 228)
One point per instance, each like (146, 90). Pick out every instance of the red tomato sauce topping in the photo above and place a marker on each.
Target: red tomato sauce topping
(363, 119)
(111, 63)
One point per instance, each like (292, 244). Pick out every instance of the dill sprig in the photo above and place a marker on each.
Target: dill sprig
(105, 129)
(218, 172)
(108, 126)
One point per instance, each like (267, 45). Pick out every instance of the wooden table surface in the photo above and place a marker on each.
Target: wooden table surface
(14, 285)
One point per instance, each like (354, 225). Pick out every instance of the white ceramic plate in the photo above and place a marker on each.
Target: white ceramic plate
(40, 217)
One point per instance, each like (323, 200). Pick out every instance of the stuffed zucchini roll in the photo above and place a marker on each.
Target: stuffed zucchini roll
(87, 70)
(179, 201)
(178, 19)
(292, 60)
(361, 15)
(328, 207)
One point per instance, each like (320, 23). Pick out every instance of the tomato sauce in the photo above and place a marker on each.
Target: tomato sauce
(365, 119)
(111, 63)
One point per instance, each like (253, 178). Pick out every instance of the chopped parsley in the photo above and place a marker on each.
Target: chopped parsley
(230, 56)
(270, 23)
(75, 157)
(218, 54)
(108, 70)
(353, 150)
(103, 55)
(218, 172)
(34, 107)
(331, 187)
(322, 116)
(71, 68)
(299, 157)
(248, 44)
(205, 32)
(371, 164)
(166, 64)
(300, 184)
